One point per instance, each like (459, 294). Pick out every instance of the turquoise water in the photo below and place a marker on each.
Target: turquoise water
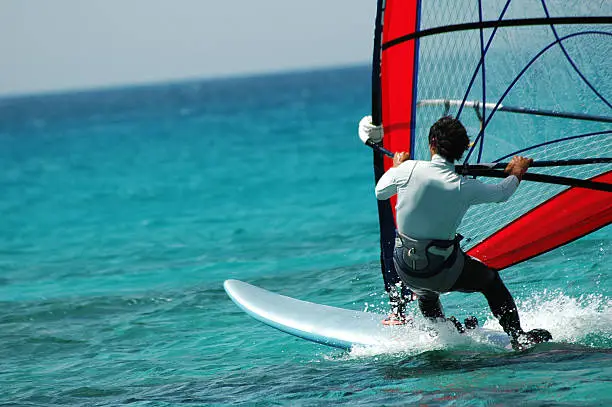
(123, 211)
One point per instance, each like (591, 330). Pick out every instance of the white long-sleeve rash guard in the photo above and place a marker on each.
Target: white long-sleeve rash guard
(432, 199)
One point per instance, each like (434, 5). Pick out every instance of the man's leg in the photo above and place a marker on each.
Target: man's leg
(476, 277)
(399, 297)
(429, 304)
(428, 298)
(399, 294)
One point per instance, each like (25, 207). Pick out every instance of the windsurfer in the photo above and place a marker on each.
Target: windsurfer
(432, 200)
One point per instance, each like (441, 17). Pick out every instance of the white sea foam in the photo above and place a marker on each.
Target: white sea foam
(416, 339)
(569, 319)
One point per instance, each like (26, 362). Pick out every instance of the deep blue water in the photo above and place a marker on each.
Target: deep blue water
(123, 211)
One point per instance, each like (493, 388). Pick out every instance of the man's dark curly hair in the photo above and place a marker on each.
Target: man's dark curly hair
(449, 138)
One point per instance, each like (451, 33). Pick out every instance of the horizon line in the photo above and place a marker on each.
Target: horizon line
(174, 81)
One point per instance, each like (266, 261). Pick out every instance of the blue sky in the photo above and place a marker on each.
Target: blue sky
(75, 44)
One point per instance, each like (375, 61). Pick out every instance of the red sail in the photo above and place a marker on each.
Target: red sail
(398, 77)
(565, 217)
(443, 63)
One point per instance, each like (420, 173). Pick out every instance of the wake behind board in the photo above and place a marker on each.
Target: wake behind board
(331, 326)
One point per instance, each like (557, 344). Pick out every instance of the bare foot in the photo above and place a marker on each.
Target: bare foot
(395, 319)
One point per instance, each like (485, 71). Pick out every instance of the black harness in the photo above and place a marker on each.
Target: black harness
(441, 244)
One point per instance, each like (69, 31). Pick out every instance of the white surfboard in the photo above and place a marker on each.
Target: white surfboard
(332, 326)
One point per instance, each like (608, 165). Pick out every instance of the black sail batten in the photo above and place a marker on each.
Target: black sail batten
(516, 22)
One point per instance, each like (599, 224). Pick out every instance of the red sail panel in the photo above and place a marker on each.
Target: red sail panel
(560, 220)
(398, 77)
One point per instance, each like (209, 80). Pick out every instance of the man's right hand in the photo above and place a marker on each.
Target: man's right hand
(518, 166)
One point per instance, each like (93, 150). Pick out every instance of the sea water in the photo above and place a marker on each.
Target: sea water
(124, 210)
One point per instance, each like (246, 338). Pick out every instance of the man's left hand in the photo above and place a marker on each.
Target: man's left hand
(399, 158)
(367, 131)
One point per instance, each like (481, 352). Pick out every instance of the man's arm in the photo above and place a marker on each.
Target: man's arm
(387, 185)
(477, 192)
